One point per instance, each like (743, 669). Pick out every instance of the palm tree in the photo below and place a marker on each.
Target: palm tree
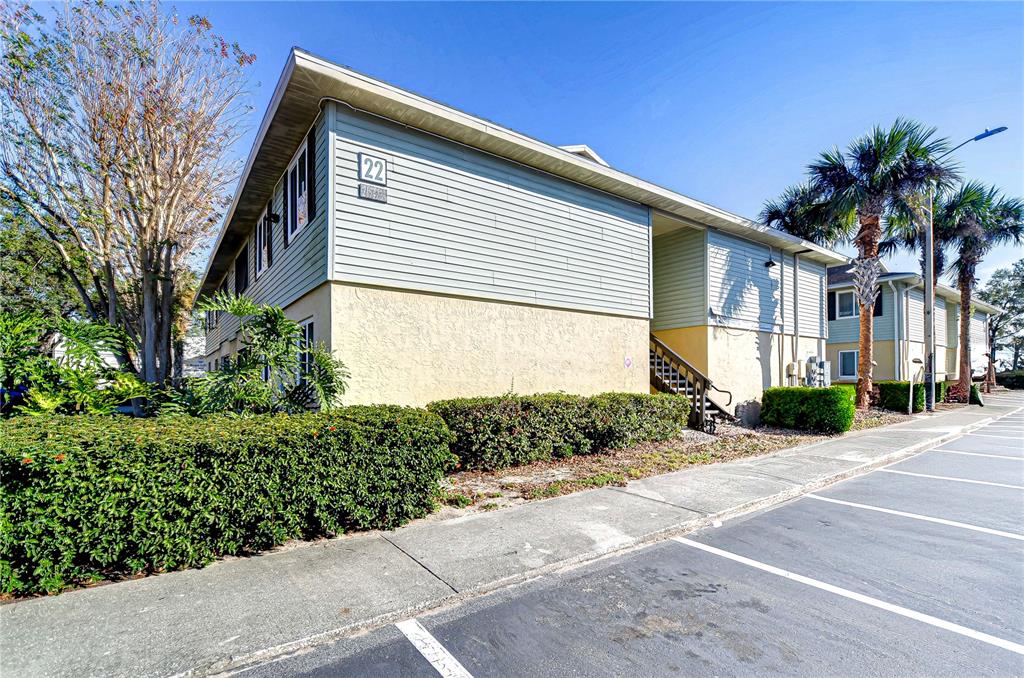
(800, 212)
(880, 174)
(974, 219)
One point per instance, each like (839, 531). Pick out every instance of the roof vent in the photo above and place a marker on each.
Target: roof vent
(587, 152)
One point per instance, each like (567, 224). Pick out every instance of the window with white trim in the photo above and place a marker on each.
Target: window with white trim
(262, 244)
(848, 364)
(846, 305)
(298, 200)
(306, 343)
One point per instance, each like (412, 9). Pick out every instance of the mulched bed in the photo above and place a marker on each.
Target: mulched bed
(474, 491)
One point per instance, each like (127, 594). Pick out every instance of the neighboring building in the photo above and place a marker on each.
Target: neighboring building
(899, 328)
(439, 255)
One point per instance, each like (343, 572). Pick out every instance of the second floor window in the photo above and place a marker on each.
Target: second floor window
(846, 306)
(242, 270)
(263, 243)
(298, 200)
(299, 204)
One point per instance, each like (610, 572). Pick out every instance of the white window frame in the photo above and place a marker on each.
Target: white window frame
(856, 360)
(853, 304)
(260, 245)
(298, 163)
(306, 342)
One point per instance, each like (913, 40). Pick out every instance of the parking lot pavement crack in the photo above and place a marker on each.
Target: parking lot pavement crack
(420, 563)
(625, 490)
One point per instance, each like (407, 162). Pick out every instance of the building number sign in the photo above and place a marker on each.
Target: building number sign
(373, 169)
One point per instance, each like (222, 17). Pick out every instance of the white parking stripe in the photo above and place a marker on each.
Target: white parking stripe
(859, 597)
(433, 651)
(980, 454)
(988, 435)
(958, 480)
(917, 516)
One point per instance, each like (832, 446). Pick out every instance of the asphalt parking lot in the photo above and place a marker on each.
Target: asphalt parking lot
(914, 569)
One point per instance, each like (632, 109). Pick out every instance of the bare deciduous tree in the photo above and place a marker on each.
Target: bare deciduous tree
(117, 126)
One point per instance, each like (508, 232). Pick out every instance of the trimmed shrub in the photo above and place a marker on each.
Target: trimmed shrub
(1013, 379)
(822, 410)
(941, 387)
(893, 395)
(618, 420)
(499, 432)
(975, 397)
(91, 497)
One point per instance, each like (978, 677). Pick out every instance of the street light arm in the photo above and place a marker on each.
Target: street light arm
(984, 135)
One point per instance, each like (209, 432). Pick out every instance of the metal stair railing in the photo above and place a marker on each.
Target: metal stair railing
(671, 373)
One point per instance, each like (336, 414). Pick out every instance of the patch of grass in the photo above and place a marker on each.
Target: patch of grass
(560, 487)
(493, 495)
(489, 506)
(456, 499)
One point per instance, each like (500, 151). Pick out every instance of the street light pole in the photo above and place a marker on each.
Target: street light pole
(929, 281)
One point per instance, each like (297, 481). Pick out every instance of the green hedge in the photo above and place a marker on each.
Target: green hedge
(1013, 379)
(893, 395)
(822, 410)
(503, 431)
(94, 497)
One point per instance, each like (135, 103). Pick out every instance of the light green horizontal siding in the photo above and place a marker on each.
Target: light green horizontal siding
(679, 279)
(298, 268)
(462, 222)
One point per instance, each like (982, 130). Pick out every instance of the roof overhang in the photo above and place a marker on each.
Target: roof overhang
(308, 80)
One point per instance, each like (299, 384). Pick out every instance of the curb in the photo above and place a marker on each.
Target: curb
(233, 665)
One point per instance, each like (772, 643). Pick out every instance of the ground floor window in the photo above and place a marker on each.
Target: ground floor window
(848, 364)
(306, 342)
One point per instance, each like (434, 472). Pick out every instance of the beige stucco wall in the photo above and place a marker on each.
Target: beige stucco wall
(410, 348)
(315, 305)
(746, 362)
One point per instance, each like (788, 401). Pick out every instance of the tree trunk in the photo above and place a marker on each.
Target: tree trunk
(166, 322)
(1015, 364)
(867, 243)
(179, 362)
(963, 387)
(149, 321)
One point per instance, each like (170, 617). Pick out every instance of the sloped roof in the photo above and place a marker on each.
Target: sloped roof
(307, 81)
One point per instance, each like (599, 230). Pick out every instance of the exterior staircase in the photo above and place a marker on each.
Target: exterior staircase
(670, 373)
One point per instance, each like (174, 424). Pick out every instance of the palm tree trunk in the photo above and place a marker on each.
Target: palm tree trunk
(963, 387)
(867, 243)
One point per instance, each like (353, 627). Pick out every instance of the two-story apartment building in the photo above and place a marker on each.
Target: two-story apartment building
(439, 254)
(899, 328)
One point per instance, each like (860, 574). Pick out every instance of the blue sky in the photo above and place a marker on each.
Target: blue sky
(724, 102)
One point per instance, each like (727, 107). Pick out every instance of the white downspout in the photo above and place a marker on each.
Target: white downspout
(896, 322)
(907, 338)
(796, 306)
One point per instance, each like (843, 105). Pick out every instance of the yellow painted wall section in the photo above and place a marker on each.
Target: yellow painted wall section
(410, 348)
(689, 342)
(746, 362)
(883, 354)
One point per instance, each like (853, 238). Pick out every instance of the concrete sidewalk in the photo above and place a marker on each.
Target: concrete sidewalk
(241, 612)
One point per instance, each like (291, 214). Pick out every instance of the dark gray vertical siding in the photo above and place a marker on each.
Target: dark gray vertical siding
(297, 269)
(461, 222)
